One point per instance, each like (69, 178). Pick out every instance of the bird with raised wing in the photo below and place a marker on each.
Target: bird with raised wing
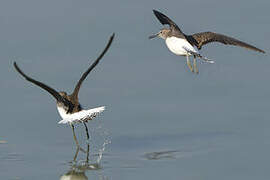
(68, 106)
(189, 45)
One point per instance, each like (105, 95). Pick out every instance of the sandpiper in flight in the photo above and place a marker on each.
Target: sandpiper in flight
(188, 45)
(68, 106)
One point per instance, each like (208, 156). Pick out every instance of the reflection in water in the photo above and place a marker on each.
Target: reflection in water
(3, 142)
(73, 175)
(161, 155)
(175, 154)
(78, 168)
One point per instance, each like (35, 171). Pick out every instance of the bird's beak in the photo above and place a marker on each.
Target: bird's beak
(153, 36)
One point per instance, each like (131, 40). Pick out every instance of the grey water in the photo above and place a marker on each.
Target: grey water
(161, 121)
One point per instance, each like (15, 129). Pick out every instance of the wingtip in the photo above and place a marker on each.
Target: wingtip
(112, 36)
(16, 66)
(156, 12)
(111, 39)
(163, 19)
(258, 50)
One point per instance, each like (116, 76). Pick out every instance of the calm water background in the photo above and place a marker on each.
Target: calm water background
(163, 121)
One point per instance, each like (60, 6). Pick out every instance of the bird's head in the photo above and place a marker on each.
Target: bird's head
(163, 33)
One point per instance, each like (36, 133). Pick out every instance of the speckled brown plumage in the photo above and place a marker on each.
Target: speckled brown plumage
(175, 30)
(67, 104)
(70, 102)
(200, 39)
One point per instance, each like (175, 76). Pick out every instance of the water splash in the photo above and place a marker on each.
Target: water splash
(100, 153)
(102, 138)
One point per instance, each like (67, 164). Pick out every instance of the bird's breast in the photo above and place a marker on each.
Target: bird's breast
(178, 46)
(63, 112)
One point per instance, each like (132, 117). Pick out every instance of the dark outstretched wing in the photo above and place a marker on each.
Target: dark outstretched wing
(53, 92)
(165, 20)
(77, 88)
(200, 39)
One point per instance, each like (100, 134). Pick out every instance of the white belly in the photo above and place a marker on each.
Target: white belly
(62, 112)
(178, 46)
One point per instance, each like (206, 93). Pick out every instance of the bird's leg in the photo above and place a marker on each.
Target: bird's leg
(87, 153)
(195, 65)
(198, 55)
(189, 64)
(86, 129)
(76, 154)
(74, 136)
(75, 139)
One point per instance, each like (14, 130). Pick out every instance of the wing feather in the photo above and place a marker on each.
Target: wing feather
(200, 39)
(163, 19)
(53, 92)
(77, 88)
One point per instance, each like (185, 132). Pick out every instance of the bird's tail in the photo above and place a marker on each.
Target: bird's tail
(199, 56)
(83, 115)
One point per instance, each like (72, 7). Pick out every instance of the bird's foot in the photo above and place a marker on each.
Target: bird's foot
(207, 60)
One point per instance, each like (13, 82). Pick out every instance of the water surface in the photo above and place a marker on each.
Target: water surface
(161, 121)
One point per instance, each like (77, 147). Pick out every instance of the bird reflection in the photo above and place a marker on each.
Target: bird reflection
(73, 175)
(161, 155)
(78, 168)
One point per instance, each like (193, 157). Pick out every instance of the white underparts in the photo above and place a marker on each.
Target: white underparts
(81, 116)
(62, 112)
(178, 46)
